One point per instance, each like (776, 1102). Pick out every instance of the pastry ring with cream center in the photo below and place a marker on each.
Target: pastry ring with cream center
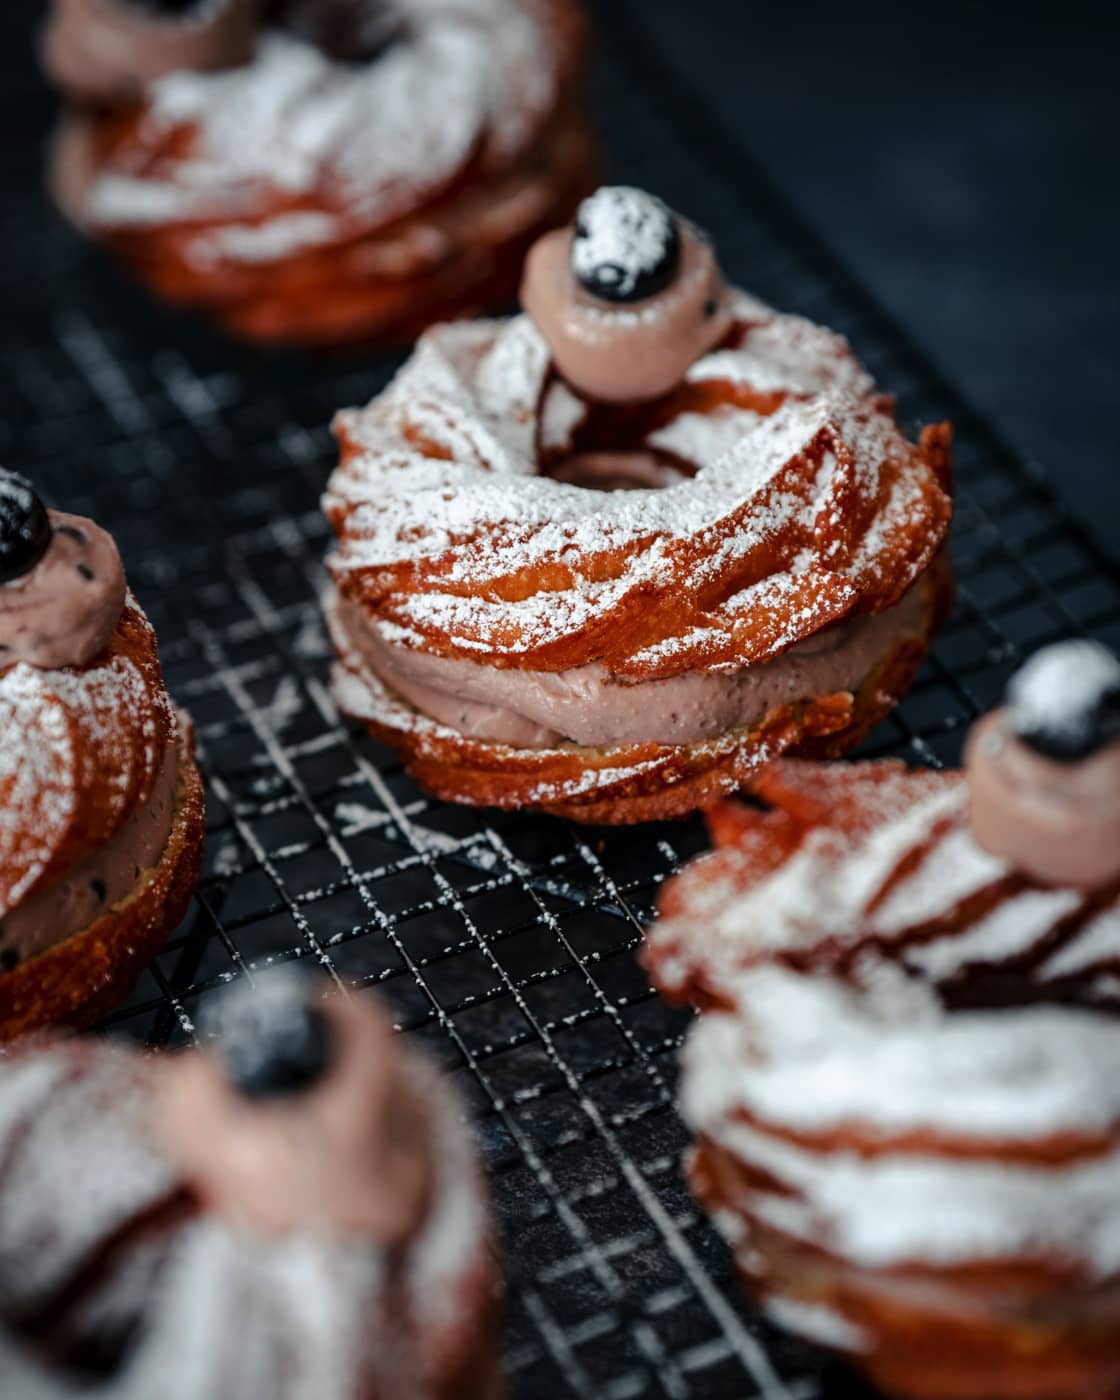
(605, 558)
(101, 815)
(903, 1083)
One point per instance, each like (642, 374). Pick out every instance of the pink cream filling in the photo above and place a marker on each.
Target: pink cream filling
(585, 706)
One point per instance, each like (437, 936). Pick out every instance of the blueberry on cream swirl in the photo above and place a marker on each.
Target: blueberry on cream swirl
(100, 803)
(62, 586)
(602, 556)
(1044, 770)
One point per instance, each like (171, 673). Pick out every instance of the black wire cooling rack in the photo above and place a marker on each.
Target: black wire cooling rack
(505, 944)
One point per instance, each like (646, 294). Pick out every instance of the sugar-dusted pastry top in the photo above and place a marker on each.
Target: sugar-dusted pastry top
(296, 147)
(869, 859)
(796, 503)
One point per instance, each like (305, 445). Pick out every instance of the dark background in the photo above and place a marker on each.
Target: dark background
(960, 157)
(963, 160)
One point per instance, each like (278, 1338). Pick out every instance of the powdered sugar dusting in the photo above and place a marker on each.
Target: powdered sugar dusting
(314, 1315)
(87, 1106)
(622, 234)
(808, 1054)
(893, 872)
(1061, 687)
(68, 740)
(446, 482)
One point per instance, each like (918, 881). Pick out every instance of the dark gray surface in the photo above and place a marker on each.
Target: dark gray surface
(962, 160)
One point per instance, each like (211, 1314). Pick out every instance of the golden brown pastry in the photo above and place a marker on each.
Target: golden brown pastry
(609, 557)
(903, 1086)
(101, 810)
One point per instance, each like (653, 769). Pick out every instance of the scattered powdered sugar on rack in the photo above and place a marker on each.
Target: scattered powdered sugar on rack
(806, 1057)
(442, 478)
(365, 141)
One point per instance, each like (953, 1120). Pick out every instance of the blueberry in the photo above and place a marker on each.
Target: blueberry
(25, 530)
(1065, 702)
(627, 245)
(273, 1039)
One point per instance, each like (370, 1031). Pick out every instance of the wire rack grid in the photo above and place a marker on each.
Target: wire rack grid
(505, 944)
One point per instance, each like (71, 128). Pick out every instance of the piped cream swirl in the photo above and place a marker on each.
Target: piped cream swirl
(63, 611)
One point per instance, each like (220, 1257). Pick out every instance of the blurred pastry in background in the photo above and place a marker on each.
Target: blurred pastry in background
(320, 171)
(293, 1211)
(101, 807)
(904, 1081)
(609, 557)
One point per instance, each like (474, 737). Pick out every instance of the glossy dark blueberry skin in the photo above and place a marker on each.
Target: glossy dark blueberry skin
(1102, 727)
(25, 529)
(271, 1061)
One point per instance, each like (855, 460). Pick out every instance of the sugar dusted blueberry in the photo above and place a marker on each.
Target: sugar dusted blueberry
(1065, 702)
(626, 245)
(272, 1037)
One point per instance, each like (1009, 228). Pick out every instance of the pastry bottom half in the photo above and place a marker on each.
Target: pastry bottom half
(625, 784)
(956, 1330)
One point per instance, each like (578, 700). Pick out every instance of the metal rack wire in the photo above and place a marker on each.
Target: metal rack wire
(504, 944)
